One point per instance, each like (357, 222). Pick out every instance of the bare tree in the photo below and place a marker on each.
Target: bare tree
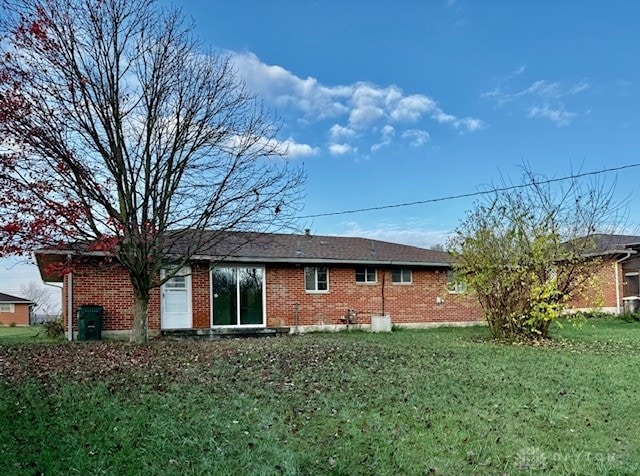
(120, 132)
(41, 296)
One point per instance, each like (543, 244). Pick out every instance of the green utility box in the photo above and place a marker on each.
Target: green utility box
(90, 322)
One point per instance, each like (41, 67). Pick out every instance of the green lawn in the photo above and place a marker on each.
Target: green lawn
(440, 402)
(17, 334)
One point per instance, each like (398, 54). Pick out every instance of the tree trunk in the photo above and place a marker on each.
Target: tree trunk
(140, 317)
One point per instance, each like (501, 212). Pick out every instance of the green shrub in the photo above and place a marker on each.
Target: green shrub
(593, 314)
(12, 324)
(629, 316)
(54, 329)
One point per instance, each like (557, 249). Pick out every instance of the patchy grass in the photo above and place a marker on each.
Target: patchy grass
(442, 401)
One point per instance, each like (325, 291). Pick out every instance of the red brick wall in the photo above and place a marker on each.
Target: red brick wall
(405, 303)
(19, 316)
(600, 291)
(200, 296)
(109, 286)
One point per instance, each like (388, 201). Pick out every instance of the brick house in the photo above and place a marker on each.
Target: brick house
(302, 282)
(615, 286)
(15, 310)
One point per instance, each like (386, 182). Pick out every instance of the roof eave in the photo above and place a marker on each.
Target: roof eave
(39, 254)
(622, 251)
(306, 260)
(62, 252)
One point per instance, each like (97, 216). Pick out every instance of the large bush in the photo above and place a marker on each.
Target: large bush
(527, 248)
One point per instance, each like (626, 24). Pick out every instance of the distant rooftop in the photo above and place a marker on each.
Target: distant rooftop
(7, 298)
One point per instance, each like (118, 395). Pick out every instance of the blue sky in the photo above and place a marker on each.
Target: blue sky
(393, 102)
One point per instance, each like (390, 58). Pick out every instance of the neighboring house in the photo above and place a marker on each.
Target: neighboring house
(14, 310)
(303, 282)
(616, 285)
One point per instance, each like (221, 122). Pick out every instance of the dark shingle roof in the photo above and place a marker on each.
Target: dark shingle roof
(307, 248)
(288, 248)
(7, 298)
(607, 244)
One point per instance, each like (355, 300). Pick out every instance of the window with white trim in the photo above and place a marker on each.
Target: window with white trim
(7, 307)
(366, 274)
(316, 280)
(401, 276)
(177, 282)
(455, 285)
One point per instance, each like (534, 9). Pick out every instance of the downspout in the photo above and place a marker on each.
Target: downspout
(384, 275)
(70, 306)
(615, 270)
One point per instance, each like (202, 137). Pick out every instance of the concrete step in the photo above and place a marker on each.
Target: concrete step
(224, 332)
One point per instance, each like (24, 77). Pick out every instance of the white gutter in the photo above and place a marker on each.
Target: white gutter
(69, 253)
(52, 285)
(281, 260)
(611, 252)
(336, 261)
(615, 271)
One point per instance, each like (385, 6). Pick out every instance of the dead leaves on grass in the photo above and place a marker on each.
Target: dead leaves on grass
(157, 364)
(281, 364)
(305, 366)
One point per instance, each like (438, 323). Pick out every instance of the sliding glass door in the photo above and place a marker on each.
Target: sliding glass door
(238, 296)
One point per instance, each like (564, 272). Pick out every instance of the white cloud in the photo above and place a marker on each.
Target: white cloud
(541, 99)
(341, 149)
(364, 107)
(559, 116)
(443, 118)
(471, 124)
(286, 89)
(468, 123)
(518, 71)
(540, 89)
(411, 108)
(288, 148)
(386, 133)
(416, 137)
(295, 150)
(340, 132)
(578, 87)
(365, 115)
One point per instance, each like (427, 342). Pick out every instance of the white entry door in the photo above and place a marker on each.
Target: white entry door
(176, 301)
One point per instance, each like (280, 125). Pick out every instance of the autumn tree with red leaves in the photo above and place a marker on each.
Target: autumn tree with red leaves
(118, 131)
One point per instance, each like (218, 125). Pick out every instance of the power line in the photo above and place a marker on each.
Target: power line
(471, 194)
